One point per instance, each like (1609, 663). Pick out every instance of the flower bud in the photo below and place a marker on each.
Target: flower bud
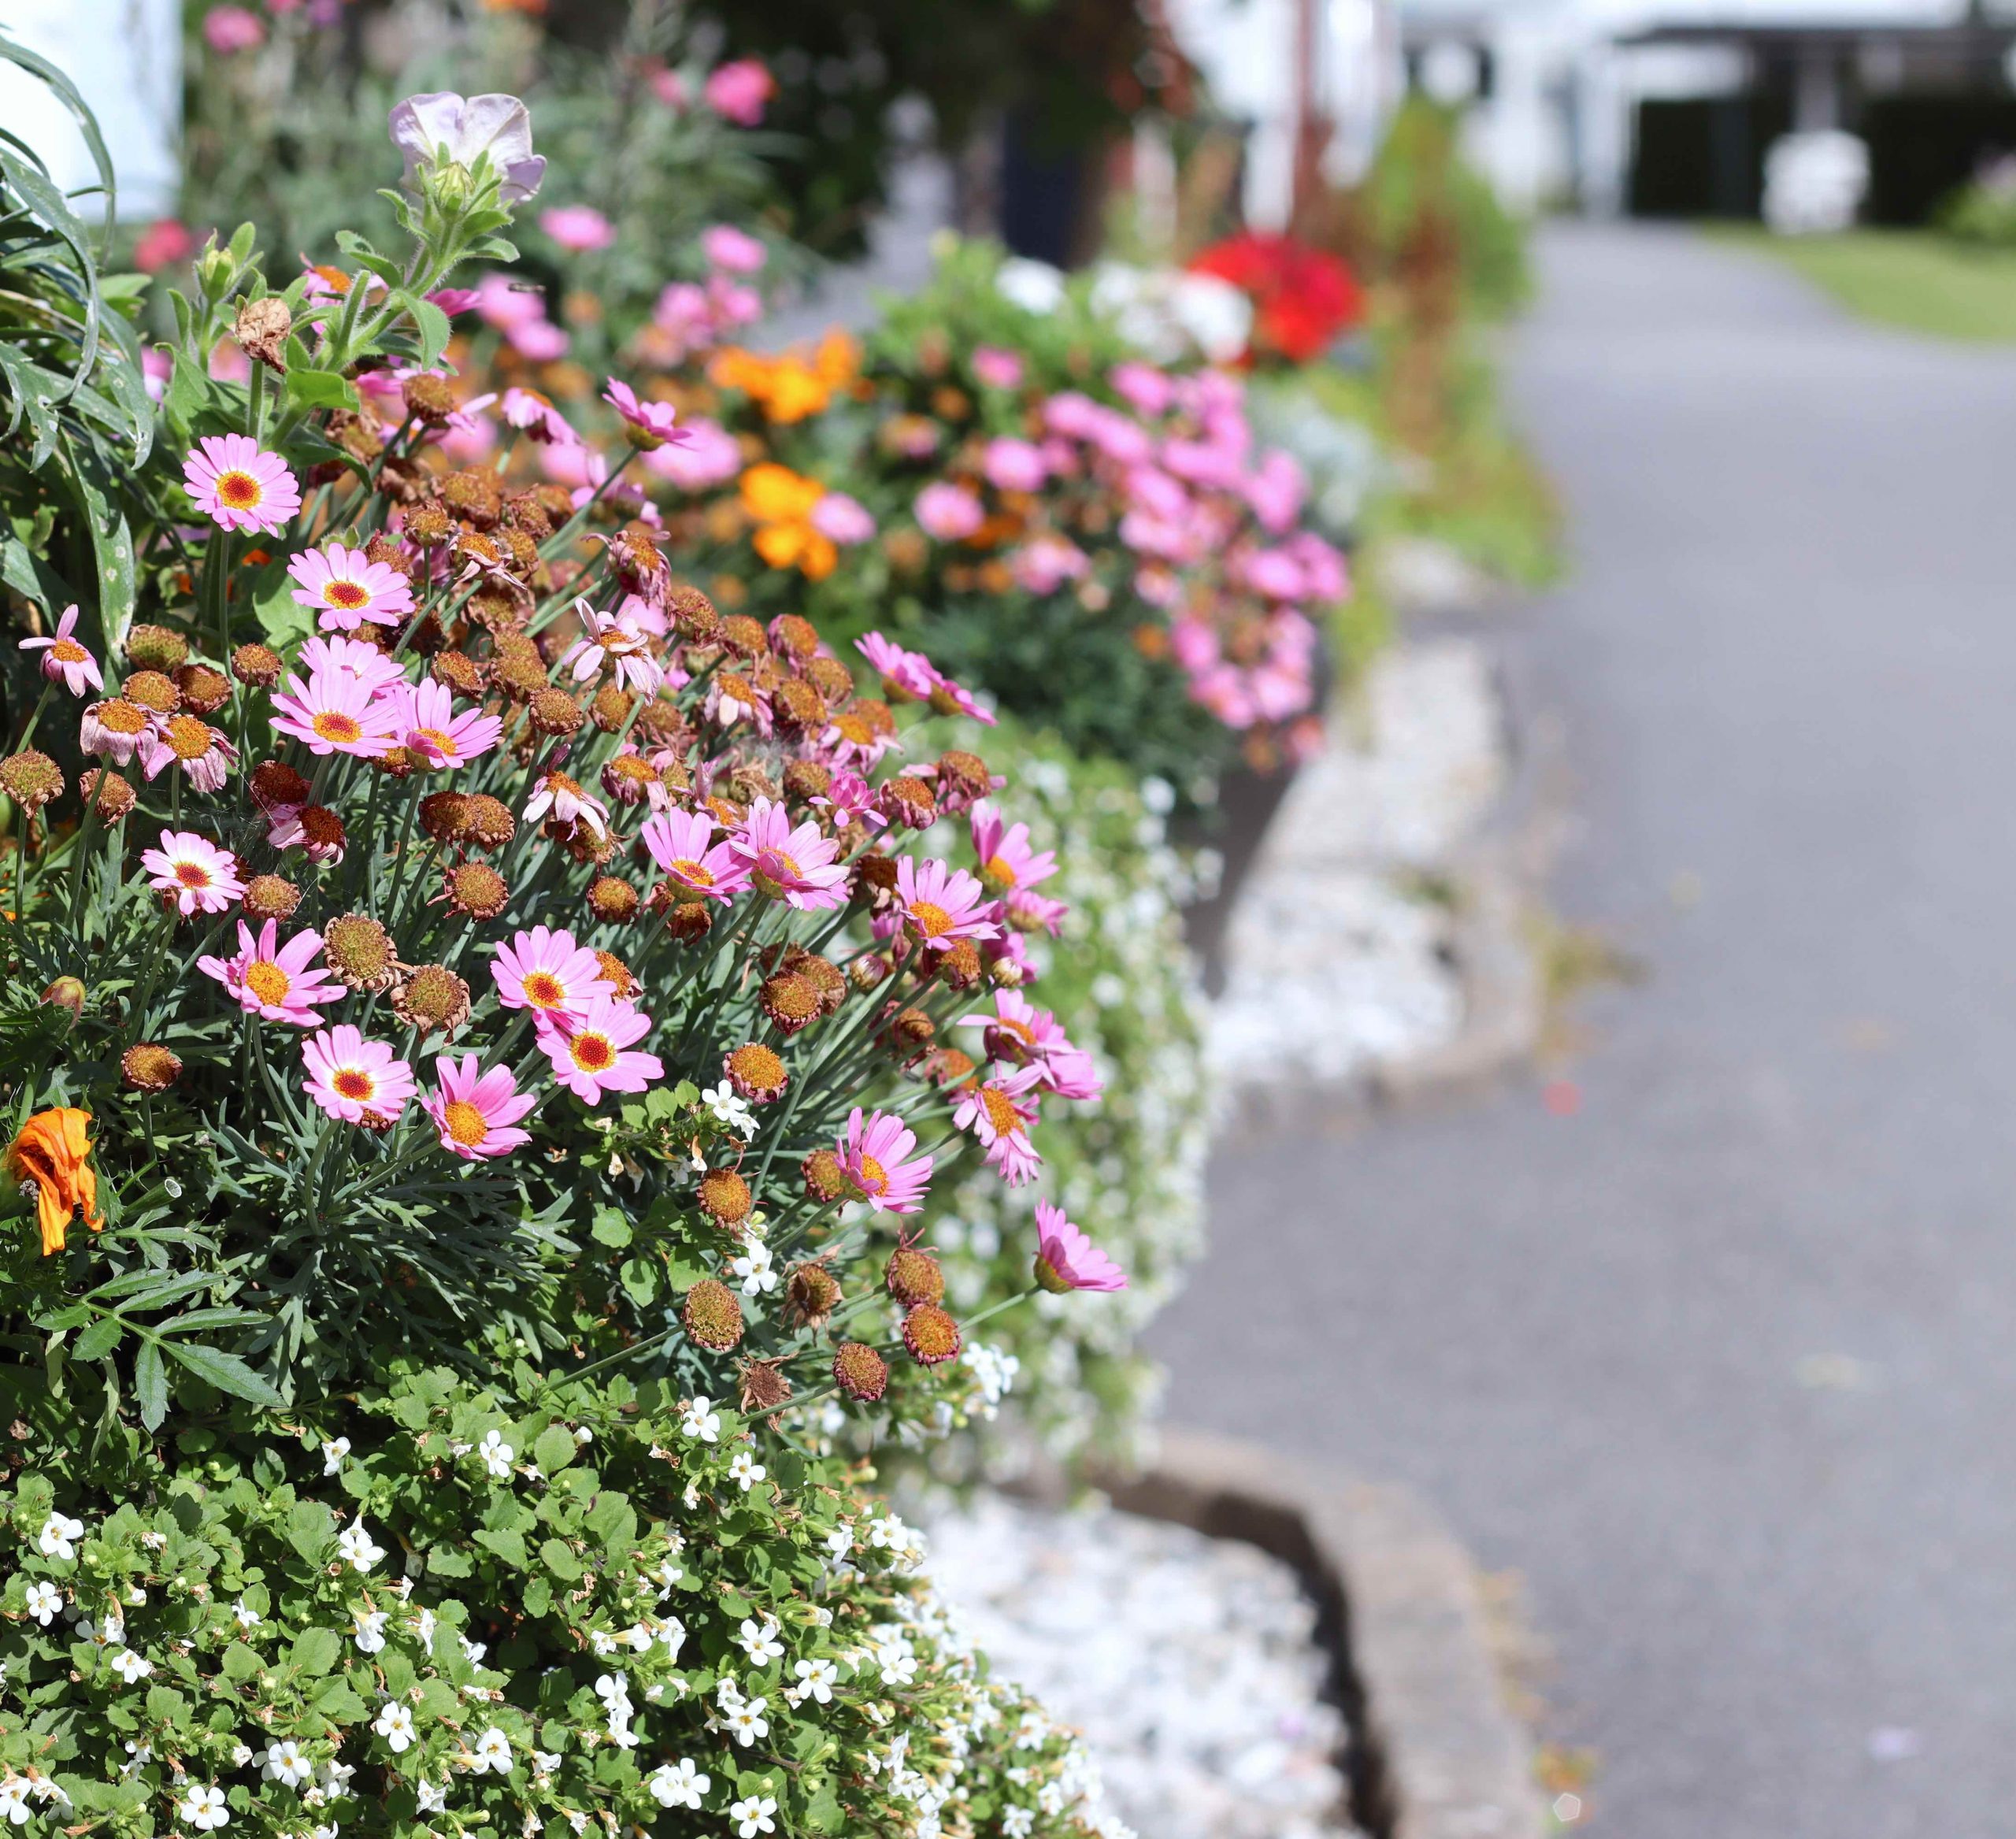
(66, 992)
(860, 1373)
(711, 1316)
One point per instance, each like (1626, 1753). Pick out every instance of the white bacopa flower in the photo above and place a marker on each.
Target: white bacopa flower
(43, 1600)
(152, 1540)
(394, 1724)
(496, 1454)
(758, 1274)
(130, 1666)
(442, 127)
(840, 1541)
(746, 1722)
(492, 1752)
(746, 1470)
(203, 1808)
(333, 1450)
(432, 1799)
(698, 1418)
(678, 1783)
(614, 1689)
(672, 1631)
(759, 1641)
(474, 1651)
(730, 1109)
(59, 1534)
(241, 1754)
(356, 1544)
(752, 1816)
(665, 1577)
(370, 1635)
(817, 1679)
(285, 1764)
(1016, 1821)
(336, 1776)
(138, 1756)
(602, 1641)
(14, 1799)
(248, 1616)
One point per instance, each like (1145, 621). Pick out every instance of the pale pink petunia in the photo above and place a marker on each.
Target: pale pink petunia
(438, 125)
(429, 726)
(681, 843)
(534, 414)
(354, 1080)
(577, 228)
(1006, 861)
(596, 1054)
(876, 1151)
(948, 512)
(940, 904)
(795, 865)
(1067, 1260)
(548, 972)
(735, 251)
(334, 713)
(999, 1112)
(346, 588)
(738, 91)
(238, 488)
(280, 983)
(194, 871)
(475, 1110)
(65, 660)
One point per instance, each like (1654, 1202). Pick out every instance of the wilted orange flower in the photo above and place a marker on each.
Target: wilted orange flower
(779, 503)
(51, 1151)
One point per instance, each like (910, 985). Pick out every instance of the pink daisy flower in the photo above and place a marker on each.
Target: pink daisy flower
(941, 904)
(534, 414)
(948, 512)
(67, 662)
(428, 725)
(593, 1056)
(997, 367)
(875, 1151)
(844, 520)
(682, 844)
(1006, 859)
(1029, 912)
(355, 1079)
(656, 421)
(346, 588)
(566, 802)
(1019, 1034)
(205, 754)
(238, 488)
(850, 799)
(999, 1113)
(1013, 464)
(616, 639)
(274, 980)
(113, 729)
(735, 250)
(474, 1111)
(796, 866)
(738, 91)
(351, 658)
(316, 830)
(550, 974)
(334, 713)
(906, 676)
(577, 228)
(1066, 1260)
(199, 877)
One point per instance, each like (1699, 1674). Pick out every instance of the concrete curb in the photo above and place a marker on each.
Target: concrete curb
(1440, 1757)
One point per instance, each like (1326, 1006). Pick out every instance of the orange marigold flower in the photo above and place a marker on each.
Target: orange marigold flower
(51, 1151)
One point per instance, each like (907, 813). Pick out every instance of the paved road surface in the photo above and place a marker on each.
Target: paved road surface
(1786, 662)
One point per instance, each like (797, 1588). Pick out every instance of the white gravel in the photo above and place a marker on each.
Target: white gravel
(1188, 1664)
(1340, 952)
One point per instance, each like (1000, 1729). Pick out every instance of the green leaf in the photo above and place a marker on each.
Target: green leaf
(310, 1529)
(558, 1558)
(448, 1561)
(99, 1339)
(315, 1651)
(508, 1545)
(336, 1700)
(434, 331)
(319, 389)
(554, 1449)
(228, 1373)
(539, 1597)
(150, 1384)
(240, 1662)
(611, 1227)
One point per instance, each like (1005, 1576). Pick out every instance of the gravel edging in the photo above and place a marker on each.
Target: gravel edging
(1438, 1755)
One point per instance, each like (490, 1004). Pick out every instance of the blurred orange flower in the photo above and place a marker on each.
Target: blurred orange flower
(786, 386)
(51, 1151)
(779, 503)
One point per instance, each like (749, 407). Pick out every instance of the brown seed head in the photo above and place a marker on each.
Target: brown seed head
(745, 636)
(274, 783)
(914, 1276)
(692, 614)
(760, 1387)
(460, 671)
(959, 964)
(472, 496)
(157, 648)
(271, 897)
(620, 977)
(149, 1068)
(359, 951)
(627, 778)
(912, 1029)
(798, 707)
(725, 1197)
(824, 1175)
(475, 890)
(444, 816)
(429, 523)
(711, 1316)
(931, 1335)
(433, 999)
(613, 900)
(553, 711)
(811, 1295)
(112, 795)
(806, 780)
(789, 1000)
(830, 678)
(906, 799)
(153, 691)
(860, 1373)
(796, 638)
(488, 823)
(757, 1073)
(256, 664)
(203, 690)
(430, 399)
(962, 779)
(31, 779)
(611, 707)
(689, 921)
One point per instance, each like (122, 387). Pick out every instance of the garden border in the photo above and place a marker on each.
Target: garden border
(1438, 1755)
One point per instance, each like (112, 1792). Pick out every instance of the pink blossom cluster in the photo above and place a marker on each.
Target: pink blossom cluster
(691, 317)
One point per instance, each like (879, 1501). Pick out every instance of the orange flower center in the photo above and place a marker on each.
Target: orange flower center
(689, 870)
(854, 729)
(464, 1122)
(999, 871)
(1021, 1029)
(1000, 1112)
(544, 990)
(190, 738)
(354, 1083)
(321, 825)
(593, 1053)
(121, 717)
(267, 981)
(68, 651)
(872, 1178)
(347, 594)
(333, 724)
(442, 742)
(930, 918)
(192, 874)
(238, 490)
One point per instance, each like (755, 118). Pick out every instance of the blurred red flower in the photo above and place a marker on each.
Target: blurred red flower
(1302, 296)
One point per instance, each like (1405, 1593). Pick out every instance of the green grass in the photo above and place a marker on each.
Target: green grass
(1915, 280)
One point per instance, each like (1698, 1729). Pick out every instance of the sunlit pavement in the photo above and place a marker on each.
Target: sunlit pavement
(1722, 1358)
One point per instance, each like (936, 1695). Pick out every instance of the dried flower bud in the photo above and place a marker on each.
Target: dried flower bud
(256, 664)
(860, 1373)
(444, 816)
(472, 496)
(270, 897)
(153, 691)
(433, 999)
(430, 399)
(791, 1002)
(760, 1387)
(475, 890)
(906, 799)
(553, 711)
(488, 823)
(460, 671)
(830, 678)
(825, 1176)
(806, 780)
(261, 329)
(931, 1335)
(724, 1197)
(359, 952)
(745, 636)
(692, 614)
(110, 793)
(756, 1073)
(613, 900)
(67, 993)
(158, 648)
(31, 779)
(689, 921)
(274, 783)
(711, 1316)
(149, 1068)
(203, 690)
(811, 1295)
(611, 707)
(914, 1276)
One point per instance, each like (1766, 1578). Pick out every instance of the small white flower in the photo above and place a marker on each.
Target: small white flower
(423, 1626)
(43, 1600)
(582, 1436)
(745, 1470)
(356, 1544)
(370, 1631)
(698, 1418)
(840, 1541)
(336, 1776)
(152, 1540)
(730, 1109)
(286, 1765)
(759, 1642)
(602, 1641)
(394, 1724)
(473, 1651)
(59, 1534)
(333, 1450)
(746, 1722)
(678, 1783)
(241, 1754)
(203, 1808)
(248, 1616)
(432, 1799)
(496, 1454)
(544, 1762)
(758, 1275)
(817, 1679)
(1016, 1821)
(14, 1799)
(752, 1816)
(613, 1690)
(492, 1751)
(138, 1755)
(130, 1666)
(672, 1631)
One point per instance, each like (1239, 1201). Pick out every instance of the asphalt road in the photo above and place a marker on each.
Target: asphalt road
(1725, 1363)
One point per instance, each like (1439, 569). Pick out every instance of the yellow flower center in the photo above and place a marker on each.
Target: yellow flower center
(333, 724)
(347, 594)
(930, 917)
(68, 651)
(687, 870)
(190, 738)
(1000, 1112)
(192, 874)
(121, 717)
(464, 1122)
(999, 872)
(442, 742)
(238, 490)
(853, 728)
(267, 981)
(872, 1178)
(593, 1053)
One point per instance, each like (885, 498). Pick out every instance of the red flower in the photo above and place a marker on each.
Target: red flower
(1302, 297)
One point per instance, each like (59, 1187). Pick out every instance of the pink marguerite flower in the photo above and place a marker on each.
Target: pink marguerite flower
(596, 1055)
(355, 659)
(876, 1151)
(578, 228)
(996, 368)
(355, 1079)
(545, 971)
(334, 713)
(614, 639)
(66, 660)
(1066, 1260)
(429, 726)
(739, 91)
(205, 754)
(1013, 464)
(708, 457)
(532, 413)
(999, 1111)
(238, 488)
(566, 801)
(906, 676)
(795, 865)
(948, 512)
(842, 520)
(656, 422)
(682, 844)
(1006, 861)
(735, 251)
(475, 1110)
(193, 872)
(346, 588)
(280, 983)
(941, 904)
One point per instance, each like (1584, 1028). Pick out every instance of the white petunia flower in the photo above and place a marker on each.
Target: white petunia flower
(43, 1600)
(394, 1724)
(496, 1454)
(59, 1534)
(678, 1783)
(203, 1808)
